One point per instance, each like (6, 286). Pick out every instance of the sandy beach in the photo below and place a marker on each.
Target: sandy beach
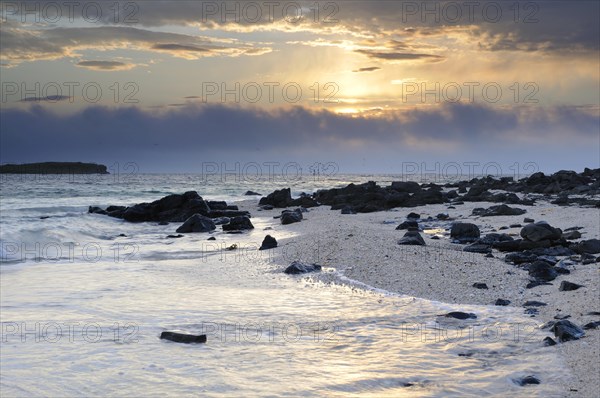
(362, 250)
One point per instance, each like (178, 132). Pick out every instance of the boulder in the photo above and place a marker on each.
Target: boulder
(279, 198)
(566, 331)
(542, 271)
(251, 193)
(268, 243)
(499, 210)
(197, 223)
(412, 238)
(566, 286)
(464, 232)
(590, 246)
(409, 224)
(539, 231)
(291, 216)
(297, 267)
(238, 224)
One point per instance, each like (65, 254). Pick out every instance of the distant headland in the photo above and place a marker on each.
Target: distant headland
(54, 168)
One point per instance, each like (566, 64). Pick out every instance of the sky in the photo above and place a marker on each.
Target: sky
(369, 86)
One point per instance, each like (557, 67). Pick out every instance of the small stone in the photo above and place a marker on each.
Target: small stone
(480, 286)
(527, 380)
(502, 302)
(534, 304)
(460, 315)
(528, 220)
(548, 342)
(592, 325)
(566, 286)
(183, 338)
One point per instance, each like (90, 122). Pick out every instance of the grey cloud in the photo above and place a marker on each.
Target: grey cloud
(367, 69)
(21, 45)
(400, 56)
(203, 129)
(104, 65)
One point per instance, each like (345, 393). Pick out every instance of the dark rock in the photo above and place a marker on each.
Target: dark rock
(442, 216)
(515, 226)
(520, 258)
(163, 223)
(534, 303)
(278, 198)
(183, 338)
(413, 216)
(238, 224)
(405, 186)
(268, 243)
(591, 325)
(526, 380)
(301, 268)
(502, 302)
(566, 286)
(348, 210)
(571, 235)
(212, 238)
(508, 246)
(122, 235)
(291, 216)
(267, 207)
(539, 231)
(562, 271)
(251, 193)
(478, 248)
(480, 285)
(91, 209)
(566, 331)
(499, 210)
(542, 271)
(489, 255)
(174, 236)
(589, 259)
(590, 246)
(412, 238)
(460, 315)
(409, 224)
(528, 220)
(196, 223)
(549, 341)
(464, 232)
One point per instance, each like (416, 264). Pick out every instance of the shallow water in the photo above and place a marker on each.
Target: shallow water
(83, 310)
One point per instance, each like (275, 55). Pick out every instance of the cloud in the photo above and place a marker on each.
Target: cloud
(367, 69)
(400, 56)
(53, 43)
(105, 65)
(198, 130)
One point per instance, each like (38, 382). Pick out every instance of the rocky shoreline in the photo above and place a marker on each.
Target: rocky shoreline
(532, 243)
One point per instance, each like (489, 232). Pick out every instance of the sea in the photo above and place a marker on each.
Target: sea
(85, 297)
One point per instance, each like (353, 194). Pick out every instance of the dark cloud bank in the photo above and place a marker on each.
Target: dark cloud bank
(211, 132)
